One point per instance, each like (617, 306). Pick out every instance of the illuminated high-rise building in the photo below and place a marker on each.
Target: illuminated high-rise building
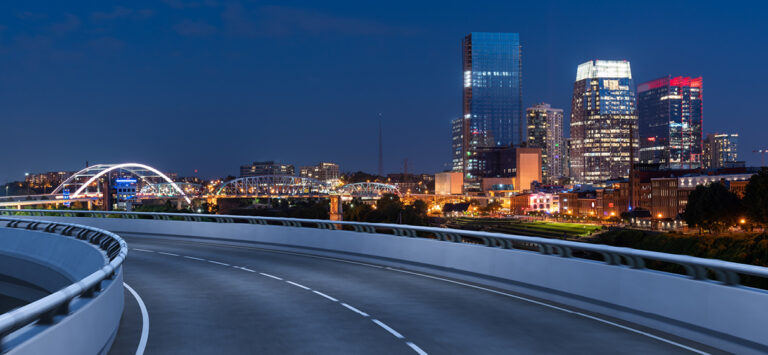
(492, 100)
(720, 150)
(457, 144)
(603, 122)
(545, 131)
(670, 119)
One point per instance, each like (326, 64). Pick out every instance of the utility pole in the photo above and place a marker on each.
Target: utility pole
(381, 149)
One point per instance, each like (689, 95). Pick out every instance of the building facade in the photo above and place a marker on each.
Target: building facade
(521, 164)
(457, 144)
(545, 131)
(260, 168)
(670, 119)
(603, 122)
(720, 150)
(325, 172)
(492, 96)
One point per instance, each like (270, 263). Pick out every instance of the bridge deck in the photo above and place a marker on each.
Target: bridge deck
(199, 302)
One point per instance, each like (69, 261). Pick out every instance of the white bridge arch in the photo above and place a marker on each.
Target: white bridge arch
(82, 179)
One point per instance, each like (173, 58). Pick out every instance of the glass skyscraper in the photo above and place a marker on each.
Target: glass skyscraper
(492, 110)
(670, 119)
(603, 122)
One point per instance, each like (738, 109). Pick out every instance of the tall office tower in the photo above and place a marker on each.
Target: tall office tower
(670, 119)
(492, 97)
(457, 143)
(720, 150)
(545, 131)
(603, 121)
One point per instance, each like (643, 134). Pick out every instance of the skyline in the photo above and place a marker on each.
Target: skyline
(69, 70)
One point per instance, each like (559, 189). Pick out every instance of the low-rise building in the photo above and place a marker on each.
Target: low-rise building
(449, 183)
(270, 167)
(325, 172)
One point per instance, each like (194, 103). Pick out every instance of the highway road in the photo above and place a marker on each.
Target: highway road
(217, 299)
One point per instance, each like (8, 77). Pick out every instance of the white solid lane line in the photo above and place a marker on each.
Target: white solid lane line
(218, 263)
(326, 296)
(387, 328)
(169, 254)
(416, 348)
(193, 258)
(144, 320)
(353, 309)
(298, 285)
(636, 331)
(271, 276)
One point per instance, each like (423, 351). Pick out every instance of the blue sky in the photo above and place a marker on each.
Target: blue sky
(210, 85)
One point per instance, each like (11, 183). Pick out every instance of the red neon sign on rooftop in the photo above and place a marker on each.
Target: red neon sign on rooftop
(670, 81)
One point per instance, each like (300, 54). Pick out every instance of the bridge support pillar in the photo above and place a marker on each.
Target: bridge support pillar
(336, 213)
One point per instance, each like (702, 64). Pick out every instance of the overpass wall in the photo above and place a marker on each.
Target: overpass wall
(52, 262)
(732, 318)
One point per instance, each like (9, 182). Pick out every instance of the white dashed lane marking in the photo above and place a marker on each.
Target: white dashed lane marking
(326, 296)
(353, 309)
(387, 328)
(298, 285)
(381, 324)
(271, 276)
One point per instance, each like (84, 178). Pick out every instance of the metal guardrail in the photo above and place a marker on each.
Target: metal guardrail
(727, 273)
(45, 309)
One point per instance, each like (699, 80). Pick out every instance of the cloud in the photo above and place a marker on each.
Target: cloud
(278, 21)
(237, 21)
(194, 28)
(117, 12)
(185, 4)
(145, 13)
(70, 24)
(27, 15)
(106, 44)
(287, 20)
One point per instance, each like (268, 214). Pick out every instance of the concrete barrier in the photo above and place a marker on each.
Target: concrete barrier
(75, 318)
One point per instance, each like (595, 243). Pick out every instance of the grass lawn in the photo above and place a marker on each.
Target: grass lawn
(537, 228)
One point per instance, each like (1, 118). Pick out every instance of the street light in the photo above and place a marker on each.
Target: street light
(742, 221)
(658, 215)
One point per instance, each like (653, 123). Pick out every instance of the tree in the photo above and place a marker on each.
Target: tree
(712, 207)
(756, 198)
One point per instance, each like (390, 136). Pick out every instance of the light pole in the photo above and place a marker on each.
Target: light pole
(26, 175)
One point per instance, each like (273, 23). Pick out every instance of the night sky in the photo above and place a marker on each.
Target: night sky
(211, 85)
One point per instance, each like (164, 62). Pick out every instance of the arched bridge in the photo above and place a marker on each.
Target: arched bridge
(83, 182)
(368, 189)
(272, 185)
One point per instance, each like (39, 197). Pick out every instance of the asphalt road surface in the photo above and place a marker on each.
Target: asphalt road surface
(216, 299)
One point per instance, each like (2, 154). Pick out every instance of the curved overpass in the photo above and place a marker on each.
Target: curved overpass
(217, 298)
(255, 284)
